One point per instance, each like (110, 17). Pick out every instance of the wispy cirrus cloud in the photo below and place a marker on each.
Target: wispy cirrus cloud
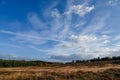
(97, 23)
(36, 22)
(80, 10)
(69, 36)
(113, 2)
(13, 57)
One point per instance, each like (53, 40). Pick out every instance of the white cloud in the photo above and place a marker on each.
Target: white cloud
(55, 13)
(113, 2)
(47, 11)
(97, 23)
(80, 10)
(31, 37)
(117, 38)
(36, 22)
(85, 47)
(7, 32)
(13, 57)
(84, 38)
(69, 43)
(106, 41)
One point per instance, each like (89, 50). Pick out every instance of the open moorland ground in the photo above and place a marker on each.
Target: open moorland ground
(63, 72)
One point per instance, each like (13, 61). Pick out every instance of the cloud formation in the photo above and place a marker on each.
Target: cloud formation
(80, 10)
(69, 34)
(113, 2)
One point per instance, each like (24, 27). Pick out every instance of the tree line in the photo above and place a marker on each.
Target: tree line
(22, 63)
(114, 58)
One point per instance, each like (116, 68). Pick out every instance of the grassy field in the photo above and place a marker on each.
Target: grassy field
(64, 72)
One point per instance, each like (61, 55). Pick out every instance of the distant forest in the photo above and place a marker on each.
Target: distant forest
(23, 63)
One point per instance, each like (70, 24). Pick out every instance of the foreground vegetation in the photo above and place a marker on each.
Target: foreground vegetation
(111, 74)
(107, 68)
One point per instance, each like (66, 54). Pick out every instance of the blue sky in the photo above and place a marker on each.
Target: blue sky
(59, 30)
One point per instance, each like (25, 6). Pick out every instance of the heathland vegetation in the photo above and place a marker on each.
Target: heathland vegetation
(107, 68)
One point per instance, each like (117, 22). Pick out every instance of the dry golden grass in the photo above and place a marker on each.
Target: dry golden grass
(62, 68)
(58, 73)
